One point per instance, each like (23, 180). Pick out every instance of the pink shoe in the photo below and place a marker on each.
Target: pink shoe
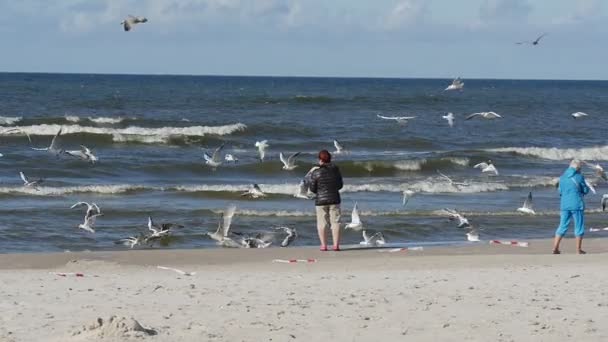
(336, 248)
(323, 249)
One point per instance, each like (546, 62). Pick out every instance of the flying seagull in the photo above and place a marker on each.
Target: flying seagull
(453, 215)
(339, 148)
(254, 192)
(92, 213)
(599, 170)
(450, 118)
(132, 241)
(407, 194)
(527, 207)
(262, 145)
(534, 42)
(160, 230)
(130, 21)
(487, 167)
(84, 153)
(289, 163)
(292, 234)
(450, 180)
(374, 239)
(355, 220)
(53, 147)
(484, 115)
(214, 160)
(457, 84)
(31, 183)
(402, 120)
(223, 227)
(302, 191)
(578, 115)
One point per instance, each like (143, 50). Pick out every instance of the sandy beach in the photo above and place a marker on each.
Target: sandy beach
(475, 293)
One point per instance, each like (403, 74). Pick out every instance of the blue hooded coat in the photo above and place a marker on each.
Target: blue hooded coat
(572, 188)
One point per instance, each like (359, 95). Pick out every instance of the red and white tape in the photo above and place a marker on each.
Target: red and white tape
(597, 229)
(404, 249)
(509, 243)
(293, 261)
(67, 274)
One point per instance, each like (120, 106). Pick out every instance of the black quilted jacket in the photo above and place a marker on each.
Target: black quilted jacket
(326, 181)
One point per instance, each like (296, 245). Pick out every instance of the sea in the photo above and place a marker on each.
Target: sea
(150, 132)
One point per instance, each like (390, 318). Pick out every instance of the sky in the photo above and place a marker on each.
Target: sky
(344, 38)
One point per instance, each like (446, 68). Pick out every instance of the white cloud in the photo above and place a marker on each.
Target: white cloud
(405, 13)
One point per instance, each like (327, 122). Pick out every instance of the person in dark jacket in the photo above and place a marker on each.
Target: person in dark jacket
(326, 182)
(572, 188)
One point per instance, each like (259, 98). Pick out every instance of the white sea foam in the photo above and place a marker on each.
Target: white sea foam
(104, 120)
(587, 153)
(72, 118)
(410, 165)
(134, 133)
(60, 191)
(9, 120)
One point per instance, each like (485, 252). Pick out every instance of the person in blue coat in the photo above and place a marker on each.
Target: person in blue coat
(572, 188)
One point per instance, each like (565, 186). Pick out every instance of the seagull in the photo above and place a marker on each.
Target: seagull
(453, 215)
(223, 227)
(176, 270)
(254, 192)
(604, 201)
(54, 147)
(487, 167)
(407, 194)
(339, 148)
(484, 115)
(289, 163)
(355, 221)
(599, 170)
(84, 153)
(450, 118)
(457, 84)
(30, 184)
(403, 120)
(262, 145)
(590, 186)
(535, 42)
(473, 235)
(292, 234)
(372, 240)
(214, 160)
(457, 184)
(128, 23)
(527, 207)
(89, 218)
(579, 115)
(158, 231)
(132, 241)
(259, 241)
(231, 158)
(302, 191)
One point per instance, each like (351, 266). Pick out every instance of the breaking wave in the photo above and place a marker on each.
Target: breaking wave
(104, 120)
(553, 153)
(9, 120)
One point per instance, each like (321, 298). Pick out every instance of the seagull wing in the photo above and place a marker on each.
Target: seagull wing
(227, 218)
(79, 204)
(23, 177)
(207, 157)
(283, 160)
(338, 146)
(473, 116)
(292, 158)
(540, 37)
(481, 165)
(385, 117)
(54, 143)
(217, 154)
(355, 219)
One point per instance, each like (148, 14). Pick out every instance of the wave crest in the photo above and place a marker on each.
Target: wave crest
(9, 120)
(553, 153)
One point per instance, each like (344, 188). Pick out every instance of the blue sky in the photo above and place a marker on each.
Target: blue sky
(370, 38)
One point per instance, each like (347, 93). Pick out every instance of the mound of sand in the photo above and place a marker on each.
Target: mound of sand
(114, 328)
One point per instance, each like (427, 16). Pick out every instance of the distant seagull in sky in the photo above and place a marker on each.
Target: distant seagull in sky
(402, 120)
(130, 21)
(534, 42)
(30, 183)
(262, 146)
(450, 118)
(457, 84)
(487, 167)
(484, 115)
(215, 159)
(289, 163)
(527, 207)
(578, 115)
(84, 153)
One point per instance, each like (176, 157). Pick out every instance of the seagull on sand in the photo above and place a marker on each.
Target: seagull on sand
(254, 192)
(223, 228)
(292, 234)
(355, 220)
(484, 115)
(131, 21)
(53, 147)
(289, 163)
(339, 148)
(450, 118)
(375, 239)
(457, 84)
(84, 153)
(402, 120)
(487, 167)
(578, 115)
(230, 158)
(407, 194)
(599, 170)
(30, 183)
(527, 207)
(534, 42)
(262, 146)
(214, 160)
(92, 213)
(453, 215)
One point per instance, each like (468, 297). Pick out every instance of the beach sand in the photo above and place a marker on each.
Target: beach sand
(479, 292)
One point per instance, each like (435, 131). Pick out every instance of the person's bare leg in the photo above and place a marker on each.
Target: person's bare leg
(579, 245)
(334, 216)
(556, 243)
(321, 224)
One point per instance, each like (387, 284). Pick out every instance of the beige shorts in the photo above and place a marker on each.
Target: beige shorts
(328, 216)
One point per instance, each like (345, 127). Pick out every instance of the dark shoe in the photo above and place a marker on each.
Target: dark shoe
(582, 252)
(556, 251)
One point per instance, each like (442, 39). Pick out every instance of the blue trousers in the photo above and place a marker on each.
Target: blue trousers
(564, 222)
